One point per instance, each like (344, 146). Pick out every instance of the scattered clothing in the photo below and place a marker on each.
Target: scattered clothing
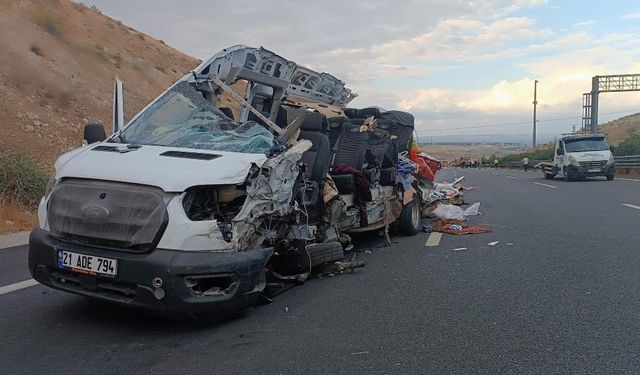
(452, 227)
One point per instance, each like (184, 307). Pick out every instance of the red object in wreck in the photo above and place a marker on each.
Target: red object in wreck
(424, 169)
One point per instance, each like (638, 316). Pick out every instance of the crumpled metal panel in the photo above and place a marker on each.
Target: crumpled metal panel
(269, 193)
(106, 213)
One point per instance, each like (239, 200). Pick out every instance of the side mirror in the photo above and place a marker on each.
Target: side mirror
(94, 133)
(612, 148)
(559, 151)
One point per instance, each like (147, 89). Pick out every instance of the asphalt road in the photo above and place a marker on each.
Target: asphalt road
(559, 293)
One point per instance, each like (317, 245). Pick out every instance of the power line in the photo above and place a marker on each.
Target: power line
(518, 123)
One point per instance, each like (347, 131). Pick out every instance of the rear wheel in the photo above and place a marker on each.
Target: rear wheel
(409, 221)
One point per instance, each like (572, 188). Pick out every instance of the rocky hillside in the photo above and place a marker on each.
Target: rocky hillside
(620, 129)
(57, 67)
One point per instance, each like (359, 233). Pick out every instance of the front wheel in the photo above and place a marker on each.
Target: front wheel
(610, 177)
(566, 174)
(409, 221)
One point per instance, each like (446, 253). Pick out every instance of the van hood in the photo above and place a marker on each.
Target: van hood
(175, 171)
(591, 155)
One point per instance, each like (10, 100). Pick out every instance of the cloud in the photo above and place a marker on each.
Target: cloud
(408, 55)
(584, 23)
(632, 16)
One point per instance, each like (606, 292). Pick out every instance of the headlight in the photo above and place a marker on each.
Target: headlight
(573, 160)
(50, 184)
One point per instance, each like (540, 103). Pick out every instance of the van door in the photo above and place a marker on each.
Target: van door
(559, 155)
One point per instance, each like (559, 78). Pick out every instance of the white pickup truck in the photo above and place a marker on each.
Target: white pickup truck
(579, 156)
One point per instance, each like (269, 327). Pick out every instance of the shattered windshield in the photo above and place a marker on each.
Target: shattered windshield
(182, 117)
(588, 144)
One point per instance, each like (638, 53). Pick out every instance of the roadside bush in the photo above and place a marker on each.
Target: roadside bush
(21, 180)
(630, 146)
(50, 23)
(102, 55)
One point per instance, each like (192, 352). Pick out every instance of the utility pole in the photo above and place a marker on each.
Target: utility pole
(535, 104)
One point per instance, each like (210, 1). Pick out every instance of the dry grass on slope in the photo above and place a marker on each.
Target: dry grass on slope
(57, 67)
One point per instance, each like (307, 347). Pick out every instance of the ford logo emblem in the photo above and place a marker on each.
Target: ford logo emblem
(93, 212)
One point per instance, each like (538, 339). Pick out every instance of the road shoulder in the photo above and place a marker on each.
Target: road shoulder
(14, 239)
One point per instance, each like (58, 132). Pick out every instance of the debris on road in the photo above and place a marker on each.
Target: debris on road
(473, 210)
(425, 225)
(494, 243)
(458, 227)
(448, 212)
(453, 212)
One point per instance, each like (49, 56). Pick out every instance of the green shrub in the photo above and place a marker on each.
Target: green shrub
(51, 23)
(630, 146)
(102, 55)
(21, 180)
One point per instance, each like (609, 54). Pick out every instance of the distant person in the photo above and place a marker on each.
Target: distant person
(525, 163)
(495, 163)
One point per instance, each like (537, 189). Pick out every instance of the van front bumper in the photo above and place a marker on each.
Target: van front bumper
(576, 171)
(180, 284)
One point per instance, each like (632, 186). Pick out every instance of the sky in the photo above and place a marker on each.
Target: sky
(461, 67)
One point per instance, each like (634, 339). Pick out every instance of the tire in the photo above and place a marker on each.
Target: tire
(94, 133)
(409, 221)
(324, 253)
(610, 177)
(566, 174)
(547, 176)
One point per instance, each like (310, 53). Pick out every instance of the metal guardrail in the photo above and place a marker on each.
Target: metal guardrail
(518, 164)
(626, 162)
(630, 161)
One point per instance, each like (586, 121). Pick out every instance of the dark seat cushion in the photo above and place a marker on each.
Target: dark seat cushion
(318, 157)
(388, 176)
(314, 121)
(351, 147)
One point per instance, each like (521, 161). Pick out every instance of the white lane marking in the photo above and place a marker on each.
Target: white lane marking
(545, 185)
(17, 286)
(631, 206)
(434, 239)
(511, 177)
(627, 179)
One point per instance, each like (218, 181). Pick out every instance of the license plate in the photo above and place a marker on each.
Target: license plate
(594, 170)
(87, 264)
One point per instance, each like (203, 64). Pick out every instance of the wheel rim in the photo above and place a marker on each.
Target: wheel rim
(415, 214)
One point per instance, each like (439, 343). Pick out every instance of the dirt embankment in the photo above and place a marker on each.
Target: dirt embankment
(619, 129)
(58, 63)
(57, 67)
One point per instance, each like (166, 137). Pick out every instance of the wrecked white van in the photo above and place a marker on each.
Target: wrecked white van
(189, 212)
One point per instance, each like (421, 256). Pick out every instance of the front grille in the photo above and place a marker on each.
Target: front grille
(107, 214)
(94, 285)
(593, 164)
